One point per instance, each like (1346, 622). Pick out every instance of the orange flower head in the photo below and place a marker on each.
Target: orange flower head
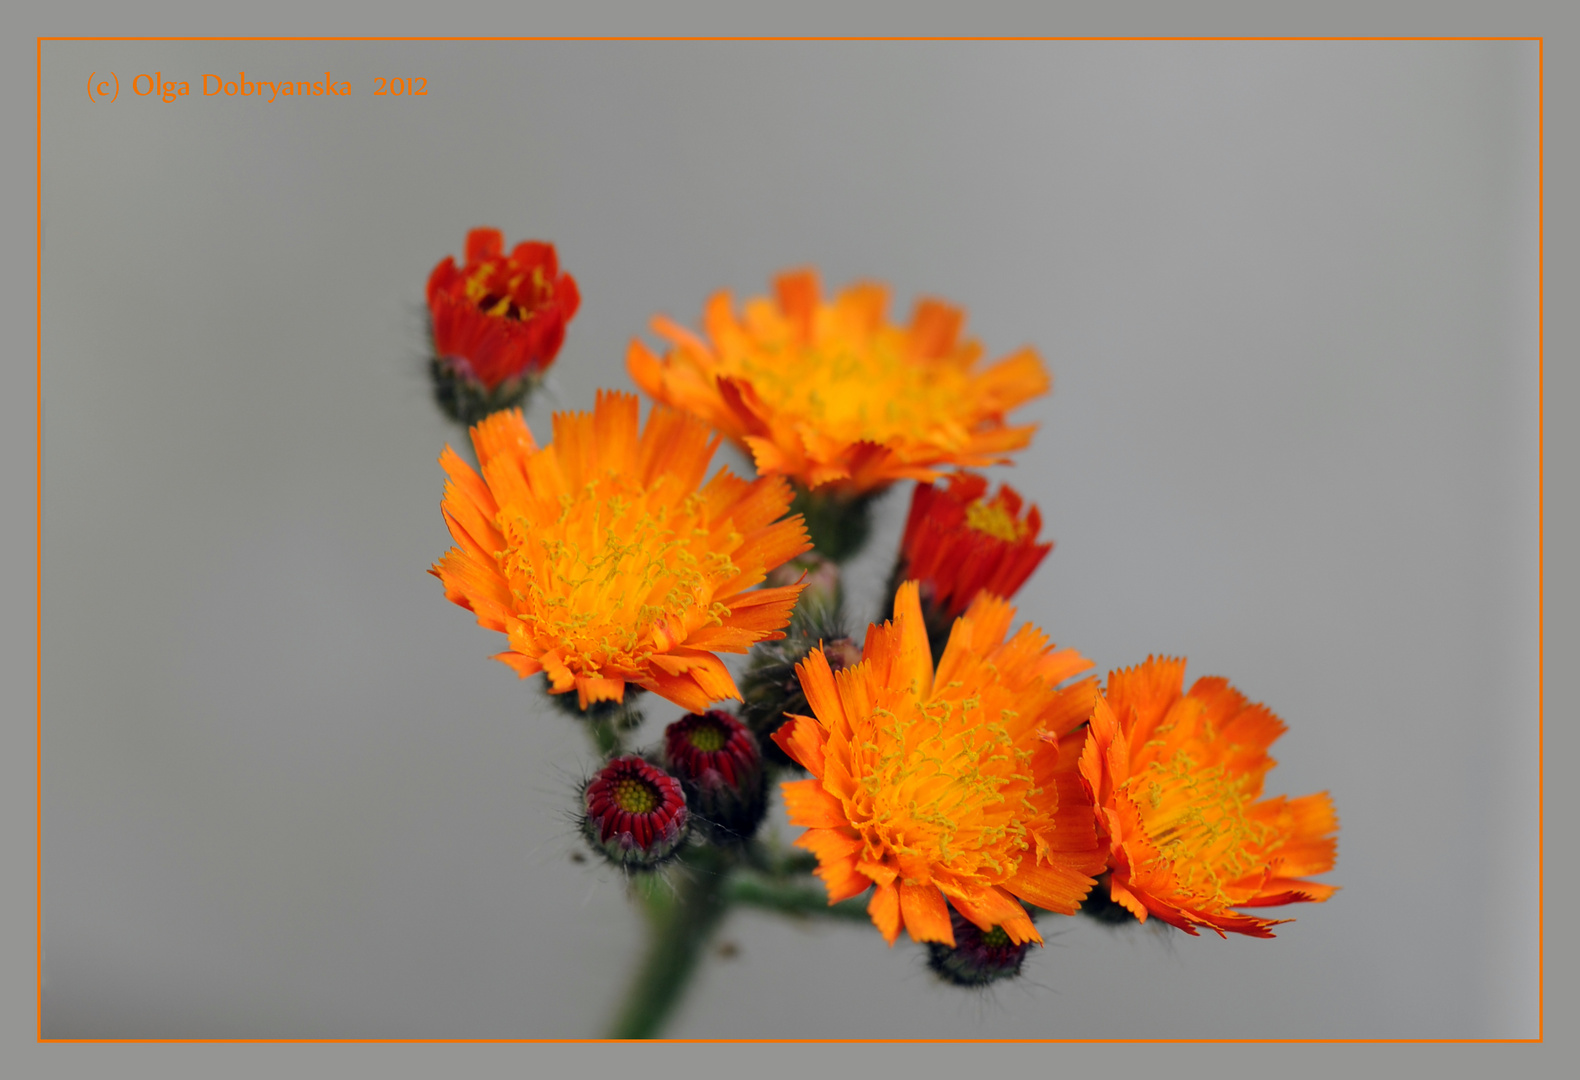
(498, 322)
(833, 394)
(958, 542)
(606, 563)
(1177, 781)
(937, 788)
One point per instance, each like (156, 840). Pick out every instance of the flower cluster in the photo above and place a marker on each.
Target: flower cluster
(953, 773)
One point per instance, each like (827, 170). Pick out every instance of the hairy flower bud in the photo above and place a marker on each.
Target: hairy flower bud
(771, 688)
(721, 770)
(635, 813)
(823, 597)
(978, 957)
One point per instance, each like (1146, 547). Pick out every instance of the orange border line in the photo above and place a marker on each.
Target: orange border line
(38, 656)
(793, 1041)
(1541, 536)
(792, 38)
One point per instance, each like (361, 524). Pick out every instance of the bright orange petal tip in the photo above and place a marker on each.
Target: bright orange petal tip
(1176, 778)
(941, 789)
(497, 323)
(833, 395)
(605, 559)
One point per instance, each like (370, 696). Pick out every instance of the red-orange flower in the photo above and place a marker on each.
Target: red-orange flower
(938, 788)
(833, 394)
(606, 559)
(958, 542)
(499, 321)
(1177, 781)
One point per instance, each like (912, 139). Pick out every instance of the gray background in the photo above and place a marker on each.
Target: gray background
(1288, 294)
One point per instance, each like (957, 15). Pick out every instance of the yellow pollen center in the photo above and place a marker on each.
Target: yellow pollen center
(635, 796)
(501, 289)
(1198, 818)
(615, 571)
(944, 784)
(992, 518)
(852, 385)
(995, 937)
(708, 738)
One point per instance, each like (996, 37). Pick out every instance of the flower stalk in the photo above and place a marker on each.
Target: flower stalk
(680, 925)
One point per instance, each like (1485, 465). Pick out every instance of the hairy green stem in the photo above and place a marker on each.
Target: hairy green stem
(678, 930)
(605, 737)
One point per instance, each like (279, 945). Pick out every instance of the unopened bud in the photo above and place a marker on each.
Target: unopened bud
(772, 688)
(721, 770)
(635, 813)
(824, 593)
(978, 957)
(841, 653)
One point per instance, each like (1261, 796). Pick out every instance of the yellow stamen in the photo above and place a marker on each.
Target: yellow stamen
(992, 518)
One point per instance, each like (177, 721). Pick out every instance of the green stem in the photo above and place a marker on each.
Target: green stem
(679, 929)
(804, 900)
(770, 860)
(838, 525)
(605, 737)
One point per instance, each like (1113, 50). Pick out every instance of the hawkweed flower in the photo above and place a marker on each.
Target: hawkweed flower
(959, 542)
(634, 813)
(1177, 782)
(718, 763)
(497, 323)
(937, 788)
(832, 395)
(606, 560)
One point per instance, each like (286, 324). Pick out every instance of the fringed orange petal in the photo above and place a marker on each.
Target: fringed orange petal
(810, 807)
(802, 739)
(884, 907)
(925, 913)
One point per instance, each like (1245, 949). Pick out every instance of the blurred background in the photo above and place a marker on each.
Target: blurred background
(1288, 294)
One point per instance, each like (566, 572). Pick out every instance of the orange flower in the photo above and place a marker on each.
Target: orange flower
(1177, 780)
(937, 788)
(959, 542)
(603, 561)
(831, 393)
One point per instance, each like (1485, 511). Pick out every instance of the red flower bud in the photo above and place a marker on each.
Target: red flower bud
(497, 323)
(721, 769)
(978, 956)
(636, 813)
